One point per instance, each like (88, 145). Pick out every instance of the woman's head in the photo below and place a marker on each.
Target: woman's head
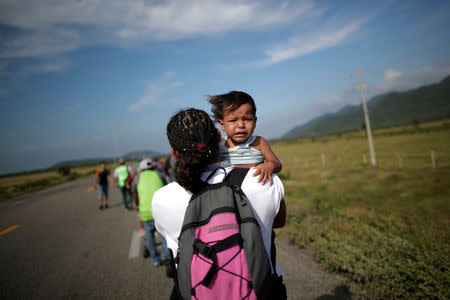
(195, 143)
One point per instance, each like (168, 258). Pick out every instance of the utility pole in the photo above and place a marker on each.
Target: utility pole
(366, 117)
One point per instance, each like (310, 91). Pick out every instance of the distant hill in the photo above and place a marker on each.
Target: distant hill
(82, 162)
(427, 103)
(92, 161)
(140, 154)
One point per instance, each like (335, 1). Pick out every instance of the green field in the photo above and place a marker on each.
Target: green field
(23, 183)
(16, 185)
(385, 228)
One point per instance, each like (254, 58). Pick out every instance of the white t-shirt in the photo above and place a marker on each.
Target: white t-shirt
(169, 204)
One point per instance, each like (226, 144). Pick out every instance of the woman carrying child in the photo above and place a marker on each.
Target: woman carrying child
(194, 144)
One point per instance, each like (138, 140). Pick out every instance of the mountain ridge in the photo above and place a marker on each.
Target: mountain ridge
(132, 155)
(426, 103)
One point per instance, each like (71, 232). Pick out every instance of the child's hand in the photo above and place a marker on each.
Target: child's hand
(265, 171)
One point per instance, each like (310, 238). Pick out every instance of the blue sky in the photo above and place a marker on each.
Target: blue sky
(81, 79)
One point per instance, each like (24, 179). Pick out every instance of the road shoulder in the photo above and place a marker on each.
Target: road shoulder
(304, 278)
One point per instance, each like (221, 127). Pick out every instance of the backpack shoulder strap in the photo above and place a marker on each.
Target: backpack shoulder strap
(214, 172)
(237, 175)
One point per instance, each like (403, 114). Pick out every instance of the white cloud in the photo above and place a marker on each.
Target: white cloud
(42, 43)
(391, 74)
(50, 66)
(302, 45)
(35, 67)
(394, 80)
(156, 90)
(47, 27)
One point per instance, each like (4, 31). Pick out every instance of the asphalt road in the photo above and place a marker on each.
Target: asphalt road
(56, 243)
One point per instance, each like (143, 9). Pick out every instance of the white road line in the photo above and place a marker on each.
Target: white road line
(134, 247)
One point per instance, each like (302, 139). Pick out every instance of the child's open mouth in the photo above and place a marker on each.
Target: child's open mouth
(240, 134)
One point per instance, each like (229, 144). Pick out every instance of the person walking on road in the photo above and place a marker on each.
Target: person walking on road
(194, 143)
(102, 176)
(121, 174)
(145, 184)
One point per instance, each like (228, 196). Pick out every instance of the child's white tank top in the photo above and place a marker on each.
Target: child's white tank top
(241, 154)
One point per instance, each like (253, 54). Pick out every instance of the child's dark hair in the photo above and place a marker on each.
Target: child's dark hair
(192, 134)
(229, 102)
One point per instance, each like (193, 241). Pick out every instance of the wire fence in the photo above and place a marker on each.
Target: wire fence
(399, 160)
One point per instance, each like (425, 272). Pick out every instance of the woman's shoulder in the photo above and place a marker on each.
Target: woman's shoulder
(172, 188)
(170, 196)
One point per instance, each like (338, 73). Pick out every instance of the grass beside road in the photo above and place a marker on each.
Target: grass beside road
(16, 185)
(19, 184)
(386, 228)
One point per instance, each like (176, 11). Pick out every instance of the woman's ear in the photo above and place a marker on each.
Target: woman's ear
(174, 153)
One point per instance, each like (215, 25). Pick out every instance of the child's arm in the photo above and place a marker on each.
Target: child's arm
(272, 164)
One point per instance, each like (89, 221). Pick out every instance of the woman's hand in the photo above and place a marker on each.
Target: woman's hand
(265, 171)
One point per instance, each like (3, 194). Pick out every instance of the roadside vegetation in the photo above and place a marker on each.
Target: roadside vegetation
(15, 185)
(384, 228)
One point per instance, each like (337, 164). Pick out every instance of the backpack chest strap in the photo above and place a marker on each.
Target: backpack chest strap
(211, 251)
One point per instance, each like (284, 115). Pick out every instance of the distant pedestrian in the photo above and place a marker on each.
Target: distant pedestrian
(102, 176)
(146, 183)
(121, 174)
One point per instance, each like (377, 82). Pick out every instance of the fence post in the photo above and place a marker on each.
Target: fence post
(433, 160)
(323, 160)
(400, 160)
(340, 160)
(364, 159)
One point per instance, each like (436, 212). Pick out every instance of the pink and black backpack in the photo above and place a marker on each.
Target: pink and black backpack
(221, 252)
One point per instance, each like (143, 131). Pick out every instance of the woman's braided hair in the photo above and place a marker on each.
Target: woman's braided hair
(192, 134)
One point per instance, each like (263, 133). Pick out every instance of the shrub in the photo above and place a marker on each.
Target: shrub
(64, 170)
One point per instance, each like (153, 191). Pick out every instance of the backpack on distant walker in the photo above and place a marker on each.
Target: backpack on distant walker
(221, 253)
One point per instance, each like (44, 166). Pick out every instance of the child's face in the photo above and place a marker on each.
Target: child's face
(239, 124)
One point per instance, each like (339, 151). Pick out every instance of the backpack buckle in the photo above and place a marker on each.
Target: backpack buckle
(203, 248)
(208, 252)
